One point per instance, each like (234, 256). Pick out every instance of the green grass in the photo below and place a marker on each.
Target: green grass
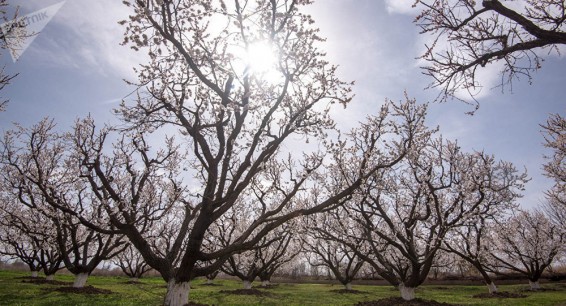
(150, 291)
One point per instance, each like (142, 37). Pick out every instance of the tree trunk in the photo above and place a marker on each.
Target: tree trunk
(348, 286)
(209, 281)
(247, 284)
(50, 277)
(534, 285)
(177, 293)
(134, 279)
(80, 280)
(492, 287)
(265, 283)
(407, 293)
(34, 274)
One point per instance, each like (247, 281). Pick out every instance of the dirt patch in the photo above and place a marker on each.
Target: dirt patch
(346, 291)
(500, 295)
(397, 301)
(211, 285)
(83, 290)
(252, 291)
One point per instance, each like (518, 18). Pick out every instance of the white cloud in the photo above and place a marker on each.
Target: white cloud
(401, 7)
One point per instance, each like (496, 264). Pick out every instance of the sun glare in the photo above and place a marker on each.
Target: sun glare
(260, 57)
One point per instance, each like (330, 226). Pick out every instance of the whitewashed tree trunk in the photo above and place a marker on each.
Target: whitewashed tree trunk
(134, 279)
(492, 287)
(50, 277)
(247, 284)
(348, 286)
(34, 274)
(534, 285)
(407, 293)
(209, 281)
(265, 283)
(80, 280)
(177, 293)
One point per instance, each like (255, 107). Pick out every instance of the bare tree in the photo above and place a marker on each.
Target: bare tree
(407, 212)
(471, 35)
(527, 244)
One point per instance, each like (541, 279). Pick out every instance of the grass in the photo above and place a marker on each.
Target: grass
(150, 291)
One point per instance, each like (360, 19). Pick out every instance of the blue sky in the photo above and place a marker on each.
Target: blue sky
(76, 66)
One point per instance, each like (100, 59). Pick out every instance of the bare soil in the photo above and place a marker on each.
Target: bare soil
(83, 290)
(210, 285)
(397, 301)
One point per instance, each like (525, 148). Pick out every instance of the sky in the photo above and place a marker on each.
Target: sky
(76, 66)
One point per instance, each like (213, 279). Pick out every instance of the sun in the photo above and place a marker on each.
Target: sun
(260, 57)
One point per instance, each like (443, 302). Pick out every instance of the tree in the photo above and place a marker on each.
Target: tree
(322, 244)
(473, 242)
(407, 212)
(555, 139)
(41, 176)
(233, 119)
(26, 235)
(262, 259)
(527, 244)
(469, 36)
(131, 263)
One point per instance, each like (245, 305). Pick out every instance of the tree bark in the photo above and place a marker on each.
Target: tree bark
(348, 286)
(247, 284)
(34, 274)
(534, 285)
(265, 283)
(492, 287)
(50, 277)
(209, 281)
(407, 293)
(80, 280)
(177, 293)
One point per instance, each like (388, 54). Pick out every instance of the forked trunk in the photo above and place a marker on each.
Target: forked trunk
(265, 283)
(247, 284)
(80, 280)
(534, 285)
(177, 293)
(492, 287)
(348, 286)
(50, 277)
(34, 274)
(407, 293)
